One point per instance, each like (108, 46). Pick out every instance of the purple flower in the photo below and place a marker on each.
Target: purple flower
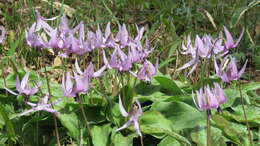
(81, 84)
(208, 98)
(32, 38)
(67, 86)
(147, 71)
(137, 52)
(134, 113)
(89, 71)
(42, 105)
(120, 61)
(219, 93)
(23, 86)
(227, 70)
(122, 36)
(204, 47)
(2, 36)
(230, 43)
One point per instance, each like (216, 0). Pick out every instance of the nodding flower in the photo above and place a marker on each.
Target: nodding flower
(227, 70)
(42, 105)
(204, 47)
(147, 71)
(67, 85)
(120, 61)
(79, 83)
(24, 88)
(134, 113)
(209, 98)
(35, 40)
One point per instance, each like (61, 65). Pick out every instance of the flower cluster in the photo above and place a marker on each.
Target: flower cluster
(209, 98)
(207, 47)
(73, 40)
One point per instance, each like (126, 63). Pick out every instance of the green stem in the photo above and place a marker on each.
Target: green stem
(244, 112)
(86, 120)
(208, 129)
(54, 117)
(142, 141)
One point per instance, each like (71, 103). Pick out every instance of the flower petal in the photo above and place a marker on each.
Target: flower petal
(121, 108)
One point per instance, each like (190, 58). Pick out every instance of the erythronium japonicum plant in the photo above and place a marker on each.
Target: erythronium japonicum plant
(207, 47)
(124, 54)
(133, 115)
(127, 51)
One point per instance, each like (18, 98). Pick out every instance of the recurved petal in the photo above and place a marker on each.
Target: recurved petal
(78, 68)
(137, 128)
(229, 39)
(240, 37)
(18, 85)
(33, 91)
(195, 100)
(89, 71)
(216, 66)
(121, 108)
(24, 82)
(190, 63)
(100, 71)
(107, 31)
(242, 69)
(140, 111)
(105, 60)
(124, 126)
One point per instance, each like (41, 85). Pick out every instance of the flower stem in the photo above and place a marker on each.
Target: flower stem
(54, 117)
(244, 112)
(142, 140)
(208, 128)
(86, 120)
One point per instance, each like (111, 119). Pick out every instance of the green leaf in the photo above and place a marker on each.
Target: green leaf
(100, 135)
(157, 96)
(168, 85)
(166, 62)
(169, 141)
(9, 125)
(231, 95)
(199, 136)
(230, 129)
(180, 114)
(154, 123)
(119, 140)
(252, 113)
(71, 122)
(250, 86)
